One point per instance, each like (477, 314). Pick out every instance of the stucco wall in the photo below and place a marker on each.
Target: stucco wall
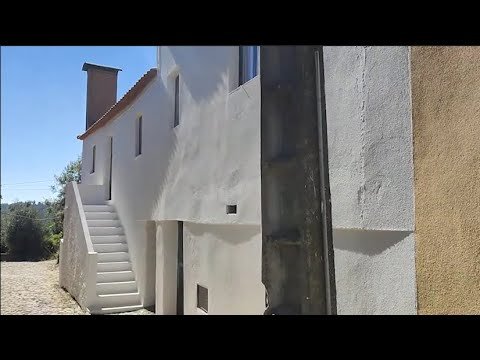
(370, 137)
(226, 259)
(374, 272)
(215, 159)
(77, 266)
(446, 113)
(136, 181)
(191, 172)
(371, 178)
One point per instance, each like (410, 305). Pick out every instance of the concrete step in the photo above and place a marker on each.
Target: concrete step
(107, 239)
(112, 257)
(100, 215)
(96, 208)
(110, 247)
(104, 223)
(105, 230)
(118, 309)
(116, 300)
(114, 266)
(119, 287)
(115, 276)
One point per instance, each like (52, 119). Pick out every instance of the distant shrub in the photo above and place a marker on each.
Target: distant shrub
(24, 232)
(51, 244)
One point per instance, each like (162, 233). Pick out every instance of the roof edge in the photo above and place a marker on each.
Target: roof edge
(87, 66)
(121, 105)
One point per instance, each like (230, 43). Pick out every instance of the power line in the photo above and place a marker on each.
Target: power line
(30, 189)
(27, 182)
(26, 217)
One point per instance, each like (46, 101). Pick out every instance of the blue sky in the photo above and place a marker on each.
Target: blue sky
(43, 93)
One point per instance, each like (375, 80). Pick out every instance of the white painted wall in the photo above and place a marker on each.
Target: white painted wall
(136, 180)
(212, 159)
(227, 260)
(190, 172)
(78, 260)
(371, 178)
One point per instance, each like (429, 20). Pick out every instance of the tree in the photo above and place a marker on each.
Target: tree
(55, 208)
(24, 232)
(3, 226)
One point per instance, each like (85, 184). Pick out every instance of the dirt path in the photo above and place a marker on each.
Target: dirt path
(31, 288)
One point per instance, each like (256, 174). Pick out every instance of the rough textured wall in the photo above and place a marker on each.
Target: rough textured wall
(446, 118)
(371, 178)
(375, 272)
(370, 137)
(73, 253)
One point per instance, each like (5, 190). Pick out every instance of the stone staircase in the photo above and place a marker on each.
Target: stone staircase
(116, 288)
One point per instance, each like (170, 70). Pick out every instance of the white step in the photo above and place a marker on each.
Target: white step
(118, 309)
(106, 230)
(102, 208)
(110, 247)
(114, 266)
(119, 287)
(115, 276)
(100, 215)
(112, 257)
(116, 300)
(107, 239)
(103, 223)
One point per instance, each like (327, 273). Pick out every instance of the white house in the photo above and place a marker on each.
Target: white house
(168, 212)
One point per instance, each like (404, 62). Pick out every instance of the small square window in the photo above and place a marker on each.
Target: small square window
(202, 298)
(231, 209)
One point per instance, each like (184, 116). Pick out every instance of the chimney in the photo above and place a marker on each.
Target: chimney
(101, 90)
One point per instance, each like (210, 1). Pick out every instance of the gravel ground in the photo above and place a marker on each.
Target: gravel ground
(31, 288)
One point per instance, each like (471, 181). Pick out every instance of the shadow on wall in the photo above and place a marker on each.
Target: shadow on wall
(206, 80)
(231, 233)
(367, 242)
(201, 81)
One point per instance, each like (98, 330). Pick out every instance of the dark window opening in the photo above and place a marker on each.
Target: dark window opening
(138, 138)
(93, 159)
(176, 120)
(231, 209)
(202, 298)
(248, 63)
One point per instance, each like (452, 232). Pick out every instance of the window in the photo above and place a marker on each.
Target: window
(176, 119)
(138, 136)
(202, 298)
(231, 209)
(93, 159)
(248, 63)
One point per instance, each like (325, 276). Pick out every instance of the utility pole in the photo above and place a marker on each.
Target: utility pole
(297, 248)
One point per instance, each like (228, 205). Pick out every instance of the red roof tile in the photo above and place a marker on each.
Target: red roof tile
(122, 104)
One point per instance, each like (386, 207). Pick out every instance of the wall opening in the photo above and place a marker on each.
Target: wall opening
(138, 136)
(180, 302)
(176, 118)
(231, 209)
(93, 159)
(110, 166)
(202, 298)
(248, 63)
